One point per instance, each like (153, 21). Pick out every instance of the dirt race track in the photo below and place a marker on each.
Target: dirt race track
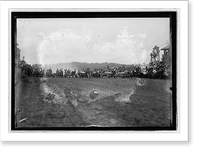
(79, 102)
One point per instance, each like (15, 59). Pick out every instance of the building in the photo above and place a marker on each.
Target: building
(17, 64)
(166, 57)
(17, 56)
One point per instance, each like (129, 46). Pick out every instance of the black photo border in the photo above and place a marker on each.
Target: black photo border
(172, 15)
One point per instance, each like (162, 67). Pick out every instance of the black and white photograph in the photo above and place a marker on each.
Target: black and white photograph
(98, 73)
(101, 70)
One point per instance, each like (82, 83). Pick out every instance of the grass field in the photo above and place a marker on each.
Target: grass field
(79, 102)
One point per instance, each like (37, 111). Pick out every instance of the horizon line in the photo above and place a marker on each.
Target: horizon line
(94, 63)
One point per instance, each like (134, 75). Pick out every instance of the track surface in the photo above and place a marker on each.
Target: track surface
(75, 102)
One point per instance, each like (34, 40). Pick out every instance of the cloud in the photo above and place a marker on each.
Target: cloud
(63, 42)
(67, 45)
(142, 35)
(124, 33)
(126, 49)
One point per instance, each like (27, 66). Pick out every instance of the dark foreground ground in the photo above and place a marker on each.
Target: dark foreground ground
(76, 102)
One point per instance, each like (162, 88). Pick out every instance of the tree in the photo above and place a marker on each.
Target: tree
(155, 54)
(37, 66)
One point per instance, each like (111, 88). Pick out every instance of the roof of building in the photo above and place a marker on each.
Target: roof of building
(166, 47)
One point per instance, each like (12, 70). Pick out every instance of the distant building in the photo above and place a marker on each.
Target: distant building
(17, 56)
(17, 64)
(166, 57)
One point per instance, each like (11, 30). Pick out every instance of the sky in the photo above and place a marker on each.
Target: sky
(117, 40)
